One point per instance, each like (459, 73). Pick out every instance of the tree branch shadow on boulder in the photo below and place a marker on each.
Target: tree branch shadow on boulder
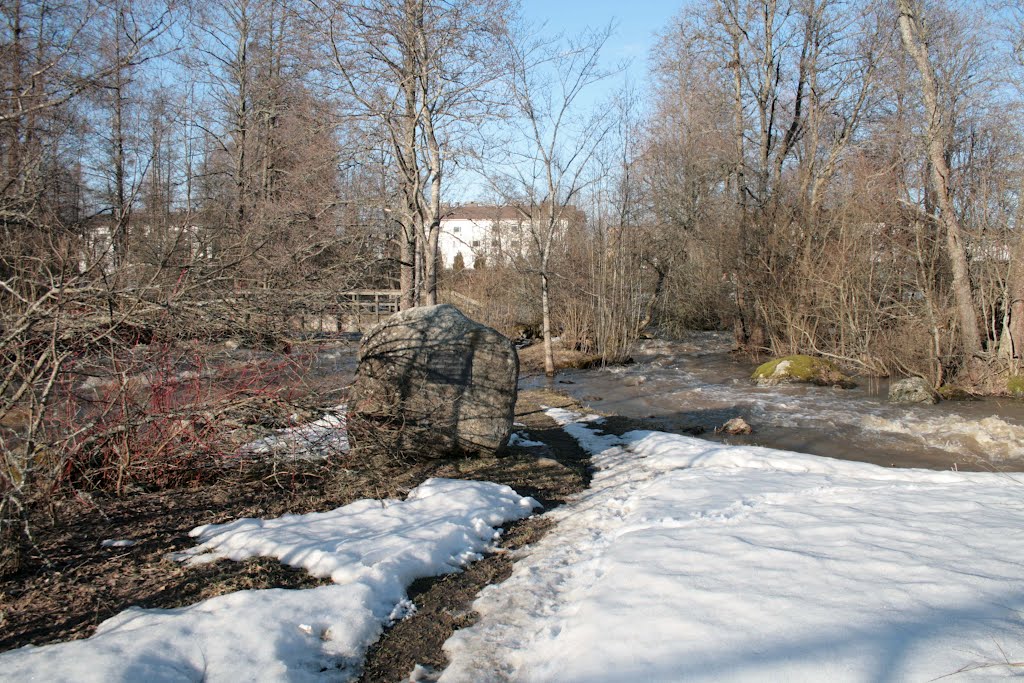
(431, 383)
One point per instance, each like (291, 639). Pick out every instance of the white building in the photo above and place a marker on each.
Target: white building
(493, 233)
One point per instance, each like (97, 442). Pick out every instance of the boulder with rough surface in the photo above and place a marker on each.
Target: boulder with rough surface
(912, 390)
(431, 383)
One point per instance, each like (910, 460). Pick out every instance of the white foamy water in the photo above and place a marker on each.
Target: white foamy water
(992, 436)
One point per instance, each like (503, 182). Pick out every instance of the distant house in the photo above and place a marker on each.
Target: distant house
(168, 240)
(492, 233)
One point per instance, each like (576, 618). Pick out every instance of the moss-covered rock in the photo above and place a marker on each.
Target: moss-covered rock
(805, 369)
(1015, 385)
(952, 392)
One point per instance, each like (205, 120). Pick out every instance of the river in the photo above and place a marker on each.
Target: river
(695, 384)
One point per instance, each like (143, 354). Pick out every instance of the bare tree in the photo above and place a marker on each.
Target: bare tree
(420, 71)
(55, 57)
(543, 168)
(937, 130)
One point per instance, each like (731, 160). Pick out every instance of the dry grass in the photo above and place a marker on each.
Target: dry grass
(531, 358)
(68, 583)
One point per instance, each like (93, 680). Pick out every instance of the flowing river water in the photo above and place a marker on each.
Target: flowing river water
(696, 384)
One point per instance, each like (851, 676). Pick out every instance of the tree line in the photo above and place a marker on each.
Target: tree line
(852, 170)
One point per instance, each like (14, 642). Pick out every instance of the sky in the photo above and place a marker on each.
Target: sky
(636, 23)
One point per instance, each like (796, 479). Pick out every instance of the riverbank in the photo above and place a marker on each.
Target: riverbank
(94, 557)
(671, 535)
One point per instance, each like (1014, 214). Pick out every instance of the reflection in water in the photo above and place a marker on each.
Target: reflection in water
(696, 384)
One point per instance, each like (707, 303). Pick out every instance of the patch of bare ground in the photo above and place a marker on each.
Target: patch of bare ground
(531, 358)
(69, 583)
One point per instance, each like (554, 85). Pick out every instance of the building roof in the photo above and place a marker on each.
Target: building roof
(481, 212)
(491, 212)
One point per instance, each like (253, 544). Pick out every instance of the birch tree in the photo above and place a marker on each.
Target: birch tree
(915, 41)
(543, 169)
(419, 72)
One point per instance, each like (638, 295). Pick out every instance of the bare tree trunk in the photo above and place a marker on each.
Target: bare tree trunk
(545, 307)
(430, 266)
(911, 33)
(1015, 294)
(407, 268)
(120, 208)
(432, 224)
(241, 122)
(741, 333)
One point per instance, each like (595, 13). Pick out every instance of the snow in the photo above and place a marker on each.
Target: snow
(518, 439)
(318, 439)
(371, 550)
(684, 560)
(117, 543)
(690, 560)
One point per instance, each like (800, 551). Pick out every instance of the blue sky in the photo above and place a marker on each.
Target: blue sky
(636, 20)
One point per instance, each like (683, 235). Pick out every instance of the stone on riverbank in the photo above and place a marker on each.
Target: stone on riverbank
(431, 383)
(735, 426)
(912, 390)
(952, 392)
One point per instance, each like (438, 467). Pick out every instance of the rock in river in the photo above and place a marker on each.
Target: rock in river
(912, 390)
(799, 368)
(735, 426)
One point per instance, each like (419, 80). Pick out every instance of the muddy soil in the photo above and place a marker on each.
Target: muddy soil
(69, 582)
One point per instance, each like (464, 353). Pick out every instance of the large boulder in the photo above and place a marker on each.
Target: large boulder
(912, 390)
(431, 383)
(797, 368)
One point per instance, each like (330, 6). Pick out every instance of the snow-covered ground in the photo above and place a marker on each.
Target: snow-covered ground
(685, 560)
(371, 549)
(690, 560)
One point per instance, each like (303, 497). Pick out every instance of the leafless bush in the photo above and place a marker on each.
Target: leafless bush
(497, 296)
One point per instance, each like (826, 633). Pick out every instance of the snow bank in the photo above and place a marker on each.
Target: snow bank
(518, 439)
(689, 560)
(371, 550)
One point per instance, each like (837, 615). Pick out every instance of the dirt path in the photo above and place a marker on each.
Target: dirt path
(550, 474)
(70, 583)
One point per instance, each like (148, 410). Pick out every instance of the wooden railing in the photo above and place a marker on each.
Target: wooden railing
(378, 303)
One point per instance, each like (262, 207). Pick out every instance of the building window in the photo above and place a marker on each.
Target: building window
(476, 243)
(456, 229)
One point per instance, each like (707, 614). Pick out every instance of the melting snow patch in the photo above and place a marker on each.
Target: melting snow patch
(371, 550)
(517, 439)
(318, 439)
(690, 560)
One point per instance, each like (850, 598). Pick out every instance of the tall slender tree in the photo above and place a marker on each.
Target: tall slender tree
(544, 167)
(937, 131)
